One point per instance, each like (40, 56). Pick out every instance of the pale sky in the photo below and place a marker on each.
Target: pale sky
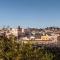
(30, 13)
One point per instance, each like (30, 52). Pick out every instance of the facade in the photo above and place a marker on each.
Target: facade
(46, 37)
(14, 32)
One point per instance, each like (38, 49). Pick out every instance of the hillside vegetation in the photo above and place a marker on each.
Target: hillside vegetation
(11, 49)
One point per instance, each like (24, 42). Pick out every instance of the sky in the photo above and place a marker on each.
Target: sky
(30, 13)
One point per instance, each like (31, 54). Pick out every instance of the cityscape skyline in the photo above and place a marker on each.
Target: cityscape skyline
(30, 13)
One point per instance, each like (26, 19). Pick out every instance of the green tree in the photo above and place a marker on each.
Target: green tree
(11, 49)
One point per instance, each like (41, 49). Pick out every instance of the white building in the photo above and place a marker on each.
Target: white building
(14, 31)
(22, 30)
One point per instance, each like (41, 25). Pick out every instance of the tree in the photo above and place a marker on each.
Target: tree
(10, 49)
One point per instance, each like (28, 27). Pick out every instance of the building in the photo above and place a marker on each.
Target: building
(14, 31)
(45, 37)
